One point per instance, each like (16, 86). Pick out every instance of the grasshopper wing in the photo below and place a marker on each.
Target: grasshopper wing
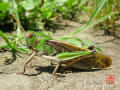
(61, 46)
(98, 61)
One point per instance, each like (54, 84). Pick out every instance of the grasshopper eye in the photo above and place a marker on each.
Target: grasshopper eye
(91, 47)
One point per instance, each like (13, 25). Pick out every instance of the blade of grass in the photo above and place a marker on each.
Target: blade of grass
(23, 50)
(102, 2)
(90, 25)
(14, 44)
(92, 17)
(12, 47)
(100, 5)
(6, 40)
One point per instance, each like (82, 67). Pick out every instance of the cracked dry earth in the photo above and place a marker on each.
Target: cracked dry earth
(39, 77)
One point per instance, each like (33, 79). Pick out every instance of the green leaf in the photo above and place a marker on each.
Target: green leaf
(70, 55)
(43, 34)
(4, 46)
(41, 44)
(4, 6)
(22, 48)
(88, 43)
(48, 49)
(73, 41)
(28, 4)
(11, 36)
(26, 50)
(60, 2)
(31, 41)
(38, 39)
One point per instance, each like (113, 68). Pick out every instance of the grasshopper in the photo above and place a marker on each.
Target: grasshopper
(91, 60)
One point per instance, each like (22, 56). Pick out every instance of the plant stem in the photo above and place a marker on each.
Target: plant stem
(18, 23)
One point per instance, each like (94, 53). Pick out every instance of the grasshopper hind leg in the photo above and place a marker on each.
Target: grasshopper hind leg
(81, 66)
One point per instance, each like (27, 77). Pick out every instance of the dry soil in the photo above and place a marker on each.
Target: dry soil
(39, 77)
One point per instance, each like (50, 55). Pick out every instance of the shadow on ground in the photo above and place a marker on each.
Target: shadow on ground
(61, 70)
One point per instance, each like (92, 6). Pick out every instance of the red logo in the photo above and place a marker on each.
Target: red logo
(110, 79)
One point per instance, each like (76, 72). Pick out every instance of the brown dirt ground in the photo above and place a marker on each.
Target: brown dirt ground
(39, 77)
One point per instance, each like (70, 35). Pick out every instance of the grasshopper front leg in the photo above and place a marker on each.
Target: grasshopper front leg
(53, 59)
